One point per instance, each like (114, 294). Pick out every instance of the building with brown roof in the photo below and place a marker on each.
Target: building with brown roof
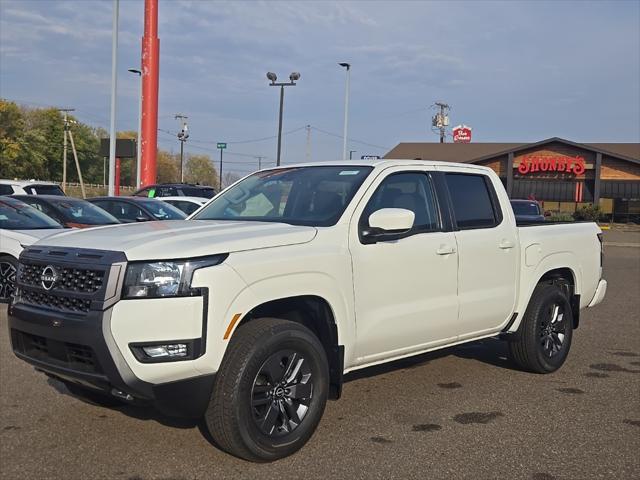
(561, 174)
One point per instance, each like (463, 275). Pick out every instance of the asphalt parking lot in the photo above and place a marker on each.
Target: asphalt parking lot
(460, 413)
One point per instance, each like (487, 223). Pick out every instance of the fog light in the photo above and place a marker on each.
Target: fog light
(166, 351)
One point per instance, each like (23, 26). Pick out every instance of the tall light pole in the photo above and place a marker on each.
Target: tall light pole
(183, 134)
(346, 110)
(139, 73)
(114, 90)
(292, 81)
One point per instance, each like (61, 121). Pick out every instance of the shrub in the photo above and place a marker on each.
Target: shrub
(591, 213)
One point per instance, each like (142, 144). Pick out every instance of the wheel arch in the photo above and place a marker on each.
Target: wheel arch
(559, 268)
(315, 313)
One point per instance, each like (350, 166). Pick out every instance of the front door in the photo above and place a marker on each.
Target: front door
(405, 287)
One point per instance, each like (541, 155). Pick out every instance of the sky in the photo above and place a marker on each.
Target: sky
(513, 71)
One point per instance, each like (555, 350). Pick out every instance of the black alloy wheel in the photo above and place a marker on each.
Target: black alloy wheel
(543, 339)
(270, 390)
(281, 393)
(552, 330)
(8, 271)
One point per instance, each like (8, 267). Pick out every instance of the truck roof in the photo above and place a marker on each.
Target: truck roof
(383, 162)
(25, 183)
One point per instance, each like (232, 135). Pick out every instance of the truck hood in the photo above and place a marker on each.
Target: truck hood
(183, 238)
(27, 237)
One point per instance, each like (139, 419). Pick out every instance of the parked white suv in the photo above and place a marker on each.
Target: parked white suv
(249, 313)
(29, 187)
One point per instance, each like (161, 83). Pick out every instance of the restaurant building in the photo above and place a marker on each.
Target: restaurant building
(561, 174)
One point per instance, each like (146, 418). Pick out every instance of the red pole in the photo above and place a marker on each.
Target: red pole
(116, 187)
(150, 72)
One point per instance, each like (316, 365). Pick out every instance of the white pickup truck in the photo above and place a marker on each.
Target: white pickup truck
(250, 312)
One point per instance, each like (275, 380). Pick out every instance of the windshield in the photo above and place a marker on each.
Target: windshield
(162, 210)
(15, 215)
(314, 196)
(526, 208)
(83, 212)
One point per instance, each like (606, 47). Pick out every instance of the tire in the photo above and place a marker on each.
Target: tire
(93, 396)
(8, 270)
(270, 392)
(544, 336)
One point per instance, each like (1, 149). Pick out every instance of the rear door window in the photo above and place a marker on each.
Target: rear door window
(475, 204)
(6, 190)
(44, 190)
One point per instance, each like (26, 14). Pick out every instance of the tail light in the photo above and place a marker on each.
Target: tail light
(601, 240)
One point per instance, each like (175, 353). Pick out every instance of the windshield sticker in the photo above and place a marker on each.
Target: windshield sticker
(349, 172)
(152, 193)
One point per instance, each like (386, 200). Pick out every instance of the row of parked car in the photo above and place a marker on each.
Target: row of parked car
(31, 210)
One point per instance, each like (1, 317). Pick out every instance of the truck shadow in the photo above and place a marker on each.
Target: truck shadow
(490, 351)
(139, 412)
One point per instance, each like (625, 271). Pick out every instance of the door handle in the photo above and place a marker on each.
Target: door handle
(506, 244)
(445, 250)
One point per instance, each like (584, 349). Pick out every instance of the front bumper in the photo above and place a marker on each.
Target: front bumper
(82, 350)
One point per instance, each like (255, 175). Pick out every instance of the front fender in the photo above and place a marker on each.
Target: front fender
(312, 283)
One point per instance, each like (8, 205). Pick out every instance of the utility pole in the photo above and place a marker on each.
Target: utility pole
(440, 120)
(351, 152)
(308, 127)
(259, 163)
(75, 157)
(183, 134)
(65, 113)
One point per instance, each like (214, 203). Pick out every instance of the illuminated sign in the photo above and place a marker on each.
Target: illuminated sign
(530, 164)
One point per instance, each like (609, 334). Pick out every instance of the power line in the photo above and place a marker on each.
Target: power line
(350, 139)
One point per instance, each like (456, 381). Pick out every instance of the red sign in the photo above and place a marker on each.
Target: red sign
(530, 164)
(462, 134)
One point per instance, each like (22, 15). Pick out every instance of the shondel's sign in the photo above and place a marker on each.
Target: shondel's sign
(531, 163)
(462, 134)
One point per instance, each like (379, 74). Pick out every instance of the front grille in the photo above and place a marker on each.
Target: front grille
(64, 303)
(70, 279)
(53, 352)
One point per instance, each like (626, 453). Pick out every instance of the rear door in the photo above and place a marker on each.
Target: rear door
(488, 252)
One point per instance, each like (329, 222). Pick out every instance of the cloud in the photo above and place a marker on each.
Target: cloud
(502, 65)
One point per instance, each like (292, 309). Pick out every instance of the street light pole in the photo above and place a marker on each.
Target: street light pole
(346, 109)
(351, 152)
(280, 124)
(292, 81)
(114, 89)
(138, 158)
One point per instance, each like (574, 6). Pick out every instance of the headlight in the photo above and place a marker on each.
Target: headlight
(164, 279)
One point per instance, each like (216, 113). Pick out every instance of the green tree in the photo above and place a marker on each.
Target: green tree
(200, 169)
(168, 167)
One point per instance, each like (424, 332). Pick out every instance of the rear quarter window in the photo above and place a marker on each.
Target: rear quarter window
(474, 201)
